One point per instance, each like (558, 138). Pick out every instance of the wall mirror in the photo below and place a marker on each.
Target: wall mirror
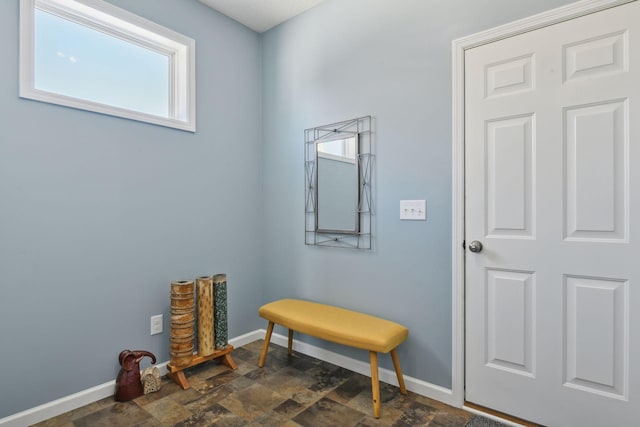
(338, 165)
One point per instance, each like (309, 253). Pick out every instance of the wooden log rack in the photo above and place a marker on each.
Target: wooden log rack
(177, 373)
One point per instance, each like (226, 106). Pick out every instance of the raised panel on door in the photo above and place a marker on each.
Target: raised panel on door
(510, 326)
(509, 180)
(596, 335)
(509, 76)
(596, 187)
(597, 56)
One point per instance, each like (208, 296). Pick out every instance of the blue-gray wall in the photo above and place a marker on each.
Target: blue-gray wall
(98, 214)
(389, 59)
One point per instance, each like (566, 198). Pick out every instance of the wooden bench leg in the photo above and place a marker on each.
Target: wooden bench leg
(375, 384)
(229, 362)
(290, 343)
(265, 347)
(179, 378)
(396, 364)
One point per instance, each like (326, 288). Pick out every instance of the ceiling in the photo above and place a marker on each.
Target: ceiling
(261, 15)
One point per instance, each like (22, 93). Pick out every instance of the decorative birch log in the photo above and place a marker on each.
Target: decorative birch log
(182, 322)
(220, 311)
(204, 286)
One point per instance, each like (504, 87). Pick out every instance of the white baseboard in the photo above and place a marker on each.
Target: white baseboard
(59, 406)
(93, 394)
(247, 338)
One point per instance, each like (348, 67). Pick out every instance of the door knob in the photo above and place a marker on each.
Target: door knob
(475, 246)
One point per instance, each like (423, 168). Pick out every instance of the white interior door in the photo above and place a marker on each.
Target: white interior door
(552, 191)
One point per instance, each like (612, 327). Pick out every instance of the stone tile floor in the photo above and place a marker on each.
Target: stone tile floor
(290, 391)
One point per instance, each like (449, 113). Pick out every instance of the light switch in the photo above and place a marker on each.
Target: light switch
(413, 210)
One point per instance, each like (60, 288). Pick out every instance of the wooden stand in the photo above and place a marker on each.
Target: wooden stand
(177, 374)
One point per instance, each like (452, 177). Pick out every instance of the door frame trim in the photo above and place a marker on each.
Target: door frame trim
(458, 48)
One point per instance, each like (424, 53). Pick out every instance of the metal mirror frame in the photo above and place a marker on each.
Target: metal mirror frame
(362, 238)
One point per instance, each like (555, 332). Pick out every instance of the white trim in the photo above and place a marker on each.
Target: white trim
(247, 338)
(458, 47)
(415, 385)
(59, 406)
(457, 228)
(119, 23)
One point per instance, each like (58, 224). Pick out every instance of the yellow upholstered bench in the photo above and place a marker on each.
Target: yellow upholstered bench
(340, 326)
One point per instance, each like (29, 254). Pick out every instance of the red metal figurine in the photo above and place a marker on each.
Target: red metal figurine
(128, 383)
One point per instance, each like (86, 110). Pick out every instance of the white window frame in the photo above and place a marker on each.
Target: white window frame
(116, 22)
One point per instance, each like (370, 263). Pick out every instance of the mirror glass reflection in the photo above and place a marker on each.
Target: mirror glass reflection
(337, 185)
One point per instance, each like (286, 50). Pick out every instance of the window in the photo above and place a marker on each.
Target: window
(91, 55)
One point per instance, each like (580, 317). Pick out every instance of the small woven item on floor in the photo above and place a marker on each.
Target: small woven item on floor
(151, 379)
(479, 421)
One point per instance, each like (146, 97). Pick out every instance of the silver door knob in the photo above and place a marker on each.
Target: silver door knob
(475, 246)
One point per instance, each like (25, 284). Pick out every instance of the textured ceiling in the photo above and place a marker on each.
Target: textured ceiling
(261, 15)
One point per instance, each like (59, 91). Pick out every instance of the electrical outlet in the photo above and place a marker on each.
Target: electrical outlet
(156, 324)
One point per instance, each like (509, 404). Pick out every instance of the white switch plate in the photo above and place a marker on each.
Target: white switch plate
(413, 210)
(156, 324)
